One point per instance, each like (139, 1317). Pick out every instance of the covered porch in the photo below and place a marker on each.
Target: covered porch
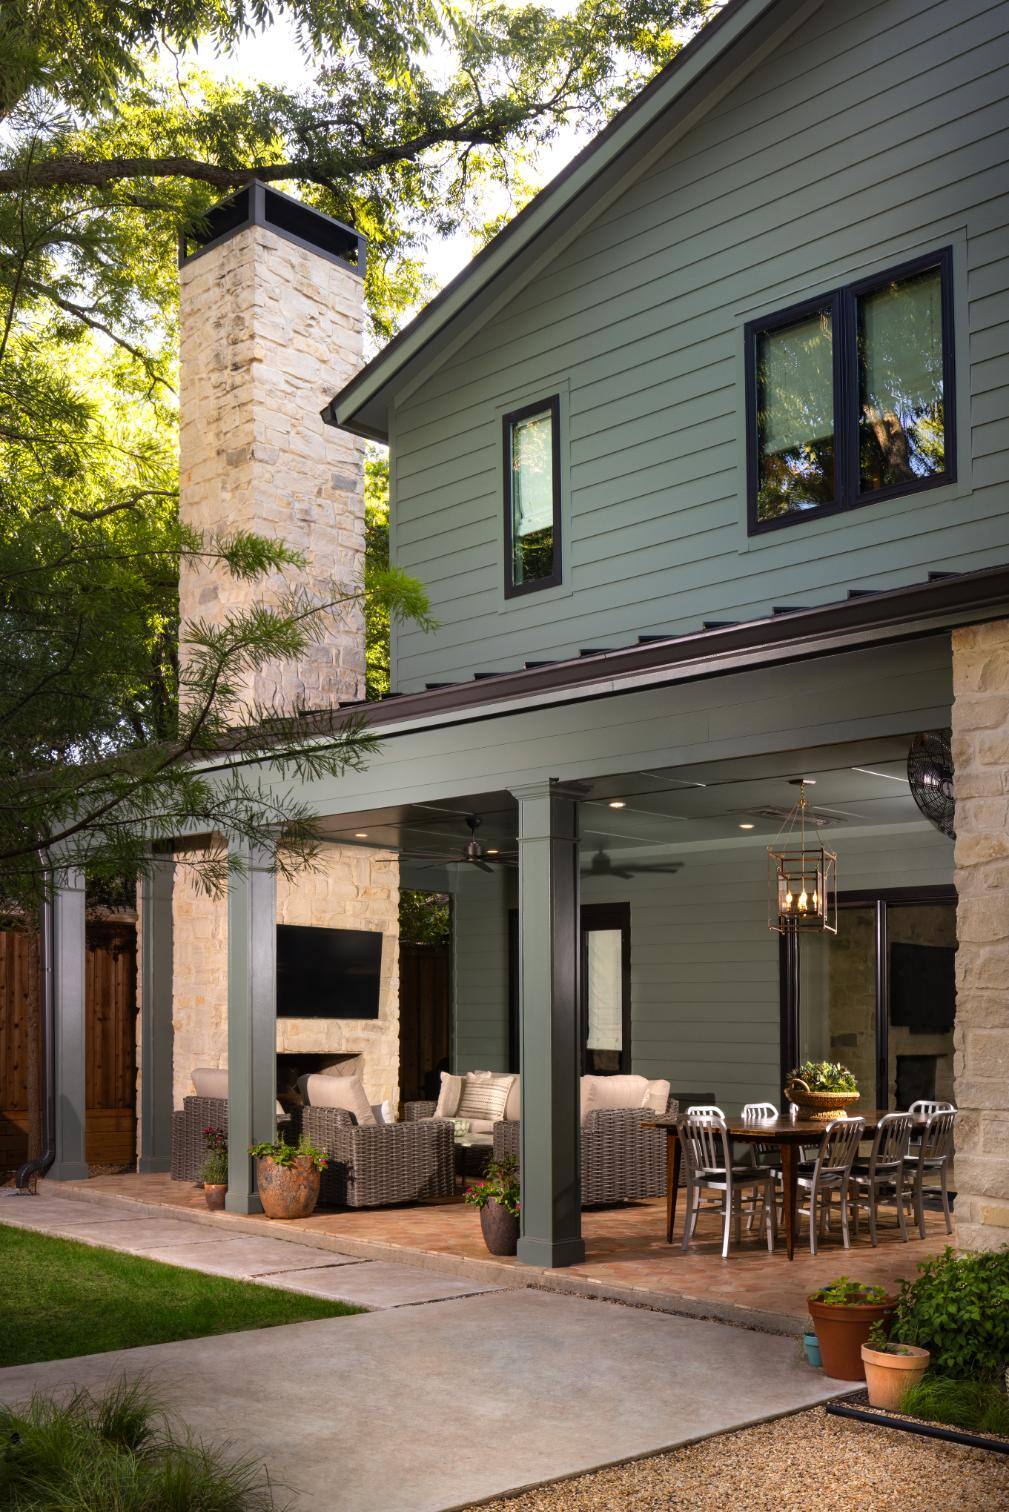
(657, 800)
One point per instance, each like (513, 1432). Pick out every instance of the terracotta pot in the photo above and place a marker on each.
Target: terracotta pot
(888, 1375)
(500, 1228)
(287, 1191)
(842, 1331)
(214, 1195)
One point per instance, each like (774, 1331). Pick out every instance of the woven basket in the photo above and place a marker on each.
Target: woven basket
(820, 1105)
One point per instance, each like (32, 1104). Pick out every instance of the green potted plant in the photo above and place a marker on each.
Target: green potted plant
(811, 1345)
(215, 1168)
(822, 1089)
(843, 1314)
(288, 1176)
(891, 1368)
(497, 1197)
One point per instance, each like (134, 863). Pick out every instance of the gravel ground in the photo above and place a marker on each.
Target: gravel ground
(808, 1461)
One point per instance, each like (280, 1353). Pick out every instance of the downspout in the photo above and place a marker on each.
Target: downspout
(41, 1164)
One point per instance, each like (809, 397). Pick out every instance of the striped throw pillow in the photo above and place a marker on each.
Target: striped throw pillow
(484, 1095)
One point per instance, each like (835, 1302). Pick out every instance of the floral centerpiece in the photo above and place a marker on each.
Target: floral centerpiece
(497, 1196)
(822, 1089)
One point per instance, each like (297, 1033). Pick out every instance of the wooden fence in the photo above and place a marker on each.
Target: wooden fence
(110, 1044)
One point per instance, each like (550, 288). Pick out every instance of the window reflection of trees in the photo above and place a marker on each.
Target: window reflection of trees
(532, 499)
(795, 416)
(901, 419)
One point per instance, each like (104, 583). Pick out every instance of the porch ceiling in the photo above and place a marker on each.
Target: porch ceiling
(858, 785)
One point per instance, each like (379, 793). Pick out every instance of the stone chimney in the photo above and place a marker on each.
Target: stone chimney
(271, 326)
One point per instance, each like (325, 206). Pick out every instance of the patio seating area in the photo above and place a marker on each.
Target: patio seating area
(627, 1256)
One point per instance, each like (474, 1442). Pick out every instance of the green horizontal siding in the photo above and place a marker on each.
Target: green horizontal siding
(876, 131)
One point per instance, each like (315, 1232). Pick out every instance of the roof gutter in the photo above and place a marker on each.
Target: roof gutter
(868, 619)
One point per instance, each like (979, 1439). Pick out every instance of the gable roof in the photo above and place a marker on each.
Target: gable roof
(729, 45)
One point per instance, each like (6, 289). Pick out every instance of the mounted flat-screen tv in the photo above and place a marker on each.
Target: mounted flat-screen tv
(923, 987)
(328, 973)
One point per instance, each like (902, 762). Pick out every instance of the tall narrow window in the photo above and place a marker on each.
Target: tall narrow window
(795, 414)
(901, 409)
(850, 397)
(532, 498)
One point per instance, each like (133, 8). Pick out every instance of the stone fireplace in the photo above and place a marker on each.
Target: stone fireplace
(271, 325)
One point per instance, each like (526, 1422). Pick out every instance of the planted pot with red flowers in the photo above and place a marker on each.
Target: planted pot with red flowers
(843, 1314)
(214, 1173)
(497, 1197)
(288, 1177)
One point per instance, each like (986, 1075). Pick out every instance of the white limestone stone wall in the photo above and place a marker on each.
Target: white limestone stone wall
(981, 761)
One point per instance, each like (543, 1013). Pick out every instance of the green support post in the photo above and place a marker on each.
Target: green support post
(69, 959)
(252, 1022)
(156, 962)
(550, 1041)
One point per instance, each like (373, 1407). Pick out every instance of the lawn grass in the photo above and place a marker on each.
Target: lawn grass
(59, 1298)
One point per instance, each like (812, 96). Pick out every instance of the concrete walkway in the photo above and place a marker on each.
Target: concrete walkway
(374, 1284)
(419, 1409)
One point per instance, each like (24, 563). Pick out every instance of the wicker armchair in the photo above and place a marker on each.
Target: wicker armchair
(197, 1114)
(188, 1149)
(376, 1165)
(413, 1112)
(621, 1161)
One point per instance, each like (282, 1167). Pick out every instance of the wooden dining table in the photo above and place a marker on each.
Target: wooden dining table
(786, 1134)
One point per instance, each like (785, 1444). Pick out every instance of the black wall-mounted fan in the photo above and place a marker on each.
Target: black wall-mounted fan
(930, 774)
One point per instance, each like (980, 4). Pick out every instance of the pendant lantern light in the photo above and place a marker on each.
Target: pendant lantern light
(801, 878)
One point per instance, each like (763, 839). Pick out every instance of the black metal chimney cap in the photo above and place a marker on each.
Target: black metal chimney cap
(259, 204)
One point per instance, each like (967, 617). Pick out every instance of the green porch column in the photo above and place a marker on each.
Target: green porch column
(156, 963)
(550, 1041)
(252, 1023)
(69, 960)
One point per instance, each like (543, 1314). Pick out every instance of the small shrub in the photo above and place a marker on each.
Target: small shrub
(978, 1405)
(120, 1452)
(957, 1307)
(501, 1182)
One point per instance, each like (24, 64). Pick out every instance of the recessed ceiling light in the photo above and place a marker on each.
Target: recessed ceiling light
(360, 834)
(617, 803)
(746, 826)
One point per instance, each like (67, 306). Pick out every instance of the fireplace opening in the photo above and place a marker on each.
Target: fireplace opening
(915, 1079)
(292, 1065)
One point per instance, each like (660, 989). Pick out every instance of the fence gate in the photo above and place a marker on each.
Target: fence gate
(110, 1043)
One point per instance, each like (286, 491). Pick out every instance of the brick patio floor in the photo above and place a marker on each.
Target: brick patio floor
(627, 1258)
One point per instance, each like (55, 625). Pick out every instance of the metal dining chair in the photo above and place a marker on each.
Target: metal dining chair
(883, 1174)
(924, 1108)
(760, 1154)
(933, 1153)
(705, 1110)
(704, 1142)
(830, 1172)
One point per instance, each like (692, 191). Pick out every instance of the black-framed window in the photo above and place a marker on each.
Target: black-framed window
(850, 396)
(532, 497)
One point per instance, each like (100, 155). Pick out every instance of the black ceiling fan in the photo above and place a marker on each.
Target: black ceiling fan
(472, 853)
(602, 865)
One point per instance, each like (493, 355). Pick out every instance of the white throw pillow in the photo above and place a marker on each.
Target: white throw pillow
(208, 1081)
(484, 1095)
(345, 1092)
(602, 1092)
(513, 1107)
(448, 1097)
(656, 1096)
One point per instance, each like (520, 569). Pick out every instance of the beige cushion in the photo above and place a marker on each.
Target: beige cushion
(657, 1096)
(513, 1107)
(480, 1126)
(448, 1097)
(484, 1095)
(208, 1081)
(345, 1092)
(600, 1092)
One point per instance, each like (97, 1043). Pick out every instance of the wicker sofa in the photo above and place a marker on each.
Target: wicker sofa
(377, 1165)
(621, 1160)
